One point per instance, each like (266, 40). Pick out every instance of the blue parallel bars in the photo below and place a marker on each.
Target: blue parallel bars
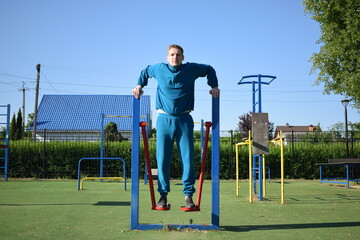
(338, 180)
(101, 160)
(135, 166)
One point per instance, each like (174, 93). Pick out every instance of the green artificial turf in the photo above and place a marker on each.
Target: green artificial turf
(55, 209)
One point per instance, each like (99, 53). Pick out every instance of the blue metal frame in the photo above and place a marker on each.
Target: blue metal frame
(102, 146)
(331, 180)
(257, 174)
(257, 83)
(256, 91)
(135, 160)
(101, 159)
(7, 142)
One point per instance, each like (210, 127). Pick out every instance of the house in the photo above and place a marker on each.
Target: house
(79, 117)
(291, 132)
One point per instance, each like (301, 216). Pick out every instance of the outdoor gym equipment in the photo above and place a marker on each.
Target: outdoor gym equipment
(250, 143)
(135, 161)
(4, 143)
(201, 177)
(102, 158)
(80, 181)
(102, 140)
(259, 126)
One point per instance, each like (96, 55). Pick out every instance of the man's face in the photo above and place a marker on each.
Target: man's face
(175, 57)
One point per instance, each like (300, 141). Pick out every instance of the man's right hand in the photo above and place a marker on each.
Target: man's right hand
(137, 92)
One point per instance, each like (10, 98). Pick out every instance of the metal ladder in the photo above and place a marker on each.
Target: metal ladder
(4, 143)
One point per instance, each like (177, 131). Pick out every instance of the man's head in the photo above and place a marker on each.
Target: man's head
(175, 55)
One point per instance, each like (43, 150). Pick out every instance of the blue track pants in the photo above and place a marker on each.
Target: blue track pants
(168, 129)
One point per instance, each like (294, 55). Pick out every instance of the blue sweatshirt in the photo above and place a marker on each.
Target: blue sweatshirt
(176, 85)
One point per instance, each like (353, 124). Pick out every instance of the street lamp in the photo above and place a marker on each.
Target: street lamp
(345, 103)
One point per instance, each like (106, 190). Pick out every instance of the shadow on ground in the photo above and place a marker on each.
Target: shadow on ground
(289, 226)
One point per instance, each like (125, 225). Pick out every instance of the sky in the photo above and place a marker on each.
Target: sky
(100, 47)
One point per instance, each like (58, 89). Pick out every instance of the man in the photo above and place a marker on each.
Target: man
(174, 102)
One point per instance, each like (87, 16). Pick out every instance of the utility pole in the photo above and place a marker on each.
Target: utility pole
(36, 99)
(23, 89)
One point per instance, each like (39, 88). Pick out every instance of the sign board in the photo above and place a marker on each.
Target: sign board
(260, 132)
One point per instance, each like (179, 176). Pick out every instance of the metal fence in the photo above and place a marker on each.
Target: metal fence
(49, 159)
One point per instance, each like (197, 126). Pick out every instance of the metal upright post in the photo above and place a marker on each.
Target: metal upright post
(253, 97)
(345, 103)
(260, 174)
(135, 162)
(102, 145)
(215, 166)
(259, 93)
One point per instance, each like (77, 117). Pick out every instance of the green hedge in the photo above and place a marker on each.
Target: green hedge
(60, 159)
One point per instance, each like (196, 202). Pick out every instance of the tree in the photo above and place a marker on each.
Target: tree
(19, 127)
(339, 128)
(2, 133)
(338, 61)
(28, 124)
(13, 130)
(245, 124)
(16, 129)
(355, 126)
(111, 132)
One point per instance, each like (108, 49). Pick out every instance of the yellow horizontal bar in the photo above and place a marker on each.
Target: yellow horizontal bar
(102, 178)
(243, 143)
(98, 178)
(276, 141)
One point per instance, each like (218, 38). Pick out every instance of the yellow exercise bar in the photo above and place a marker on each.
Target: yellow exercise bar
(281, 141)
(237, 165)
(249, 142)
(251, 193)
(98, 178)
(264, 175)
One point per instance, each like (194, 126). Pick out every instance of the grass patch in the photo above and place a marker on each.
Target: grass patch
(57, 210)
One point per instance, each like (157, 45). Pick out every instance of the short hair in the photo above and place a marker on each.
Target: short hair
(177, 47)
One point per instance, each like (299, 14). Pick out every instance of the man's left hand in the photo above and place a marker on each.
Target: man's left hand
(215, 92)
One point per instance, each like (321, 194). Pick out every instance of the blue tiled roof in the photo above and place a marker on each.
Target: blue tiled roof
(84, 112)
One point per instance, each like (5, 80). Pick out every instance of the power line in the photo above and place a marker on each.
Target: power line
(16, 76)
(10, 83)
(88, 71)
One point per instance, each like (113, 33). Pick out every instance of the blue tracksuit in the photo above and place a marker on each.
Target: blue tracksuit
(175, 99)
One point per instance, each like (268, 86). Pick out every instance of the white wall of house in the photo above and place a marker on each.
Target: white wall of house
(74, 136)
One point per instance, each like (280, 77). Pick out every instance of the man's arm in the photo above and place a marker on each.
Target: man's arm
(213, 82)
(142, 81)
